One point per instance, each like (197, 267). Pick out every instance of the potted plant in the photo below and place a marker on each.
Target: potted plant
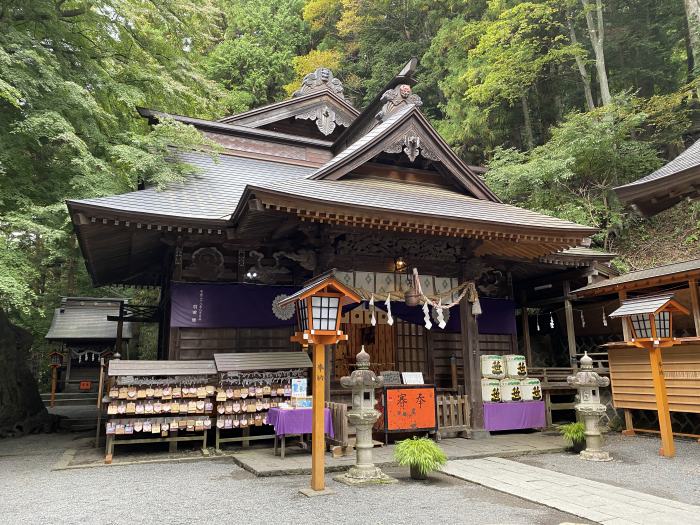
(422, 455)
(575, 435)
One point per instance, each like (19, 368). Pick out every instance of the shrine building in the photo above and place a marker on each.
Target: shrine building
(313, 184)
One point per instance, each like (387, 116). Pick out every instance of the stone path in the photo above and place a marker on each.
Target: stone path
(608, 504)
(261, 462)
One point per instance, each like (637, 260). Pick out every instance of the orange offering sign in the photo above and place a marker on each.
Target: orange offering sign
(410, 409)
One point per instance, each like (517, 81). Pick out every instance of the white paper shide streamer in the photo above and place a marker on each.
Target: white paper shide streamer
(373, 321)
(426, 316)
(387, 303)
(440, 315)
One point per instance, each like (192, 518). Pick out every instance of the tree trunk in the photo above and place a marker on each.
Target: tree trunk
(21, 409)
(692, 13)
(582, 69)
(596, 32)
(529, 137)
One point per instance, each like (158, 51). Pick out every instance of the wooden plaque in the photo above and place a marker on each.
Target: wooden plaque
(410, 409)
(391, 377)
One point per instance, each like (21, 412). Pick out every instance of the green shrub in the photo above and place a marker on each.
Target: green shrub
(422, 454)
(573, 433)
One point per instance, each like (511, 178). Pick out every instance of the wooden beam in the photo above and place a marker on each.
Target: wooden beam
(525, 318)
(318, 436)
(622, 294)
(570, 328)
(695, 303)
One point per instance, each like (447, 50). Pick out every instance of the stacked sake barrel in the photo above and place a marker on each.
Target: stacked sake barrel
(505, 380)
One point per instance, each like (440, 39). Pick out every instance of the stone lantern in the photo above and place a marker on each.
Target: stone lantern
(588, 384)
(362, 416)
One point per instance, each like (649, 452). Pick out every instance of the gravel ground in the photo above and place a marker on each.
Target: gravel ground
(216, 490)
(636, 465)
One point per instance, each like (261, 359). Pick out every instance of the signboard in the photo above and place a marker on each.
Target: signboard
(298, 387)
(391, 377)
(412, 378)
(409, 409)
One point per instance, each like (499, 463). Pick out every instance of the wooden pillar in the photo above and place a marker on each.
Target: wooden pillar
(472, 365)
(662, 406)
(329, 370)
(629, 425)
(54, 379)
(69, 357)
(695, 304)
(570, 328)
(625, 325)
(120, 330)
(318, 436)
(525, 319)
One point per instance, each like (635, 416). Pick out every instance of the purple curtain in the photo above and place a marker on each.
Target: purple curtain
(236, 305)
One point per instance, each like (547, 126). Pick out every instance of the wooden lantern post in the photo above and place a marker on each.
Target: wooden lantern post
(55, 362)
(650, 324)
(319, 308)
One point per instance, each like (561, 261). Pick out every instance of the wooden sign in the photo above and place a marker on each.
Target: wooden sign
(410, 409)
(391, 377)
(412, 378)
(85, 386)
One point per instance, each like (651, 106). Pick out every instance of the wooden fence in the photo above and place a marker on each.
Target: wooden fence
(452, 415)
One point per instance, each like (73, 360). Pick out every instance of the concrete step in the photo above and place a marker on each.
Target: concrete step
(71, 398)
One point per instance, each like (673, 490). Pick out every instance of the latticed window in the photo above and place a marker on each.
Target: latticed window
(324, 312)
(641, 325)
(663, 324)
(302, 315)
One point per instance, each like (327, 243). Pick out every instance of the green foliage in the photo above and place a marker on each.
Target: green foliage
(253, 62)
(71, 76)
(421, 453)
(573, 433)
(573, 174)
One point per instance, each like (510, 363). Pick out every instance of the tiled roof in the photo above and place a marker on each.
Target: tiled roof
(642, 305)
(416, 199)
(641, 275)
(86, 320)
(211, 194)
(690, 158)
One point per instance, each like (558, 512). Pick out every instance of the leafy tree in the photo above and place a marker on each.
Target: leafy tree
(71, 76)
(572, 175)
(253, 62)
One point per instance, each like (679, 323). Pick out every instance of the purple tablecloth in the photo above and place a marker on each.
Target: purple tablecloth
(512, 416)
(297, 421)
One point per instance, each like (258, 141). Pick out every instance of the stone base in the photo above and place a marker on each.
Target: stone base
(590, 455)
(379, 479)
(479, 433)
(311, 493)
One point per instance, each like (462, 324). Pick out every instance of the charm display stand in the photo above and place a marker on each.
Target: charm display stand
(171, 401)
(266, 379)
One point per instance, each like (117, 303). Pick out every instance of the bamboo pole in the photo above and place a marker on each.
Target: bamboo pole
(318, 437)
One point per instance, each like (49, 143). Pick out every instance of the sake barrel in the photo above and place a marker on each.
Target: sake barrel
(515, 366)
(491, 390)
(531, 389)
(510, 390)
(492, 366)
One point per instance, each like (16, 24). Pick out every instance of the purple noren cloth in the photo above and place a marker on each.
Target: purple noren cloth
(513, 416)
(297, 421)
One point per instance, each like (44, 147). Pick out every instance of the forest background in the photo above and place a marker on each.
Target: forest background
(562, 99)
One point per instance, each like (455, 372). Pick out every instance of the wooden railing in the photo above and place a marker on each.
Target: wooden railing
(452, 415)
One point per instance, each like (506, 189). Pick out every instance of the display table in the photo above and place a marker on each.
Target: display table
(297, 421)
(514, 416)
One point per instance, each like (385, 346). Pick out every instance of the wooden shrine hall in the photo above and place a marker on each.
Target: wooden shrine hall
(311, 184)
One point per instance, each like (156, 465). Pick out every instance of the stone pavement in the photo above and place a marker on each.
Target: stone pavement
(261, 462)
(606, 504)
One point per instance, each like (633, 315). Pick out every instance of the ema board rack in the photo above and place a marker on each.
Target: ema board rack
(158, 402)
